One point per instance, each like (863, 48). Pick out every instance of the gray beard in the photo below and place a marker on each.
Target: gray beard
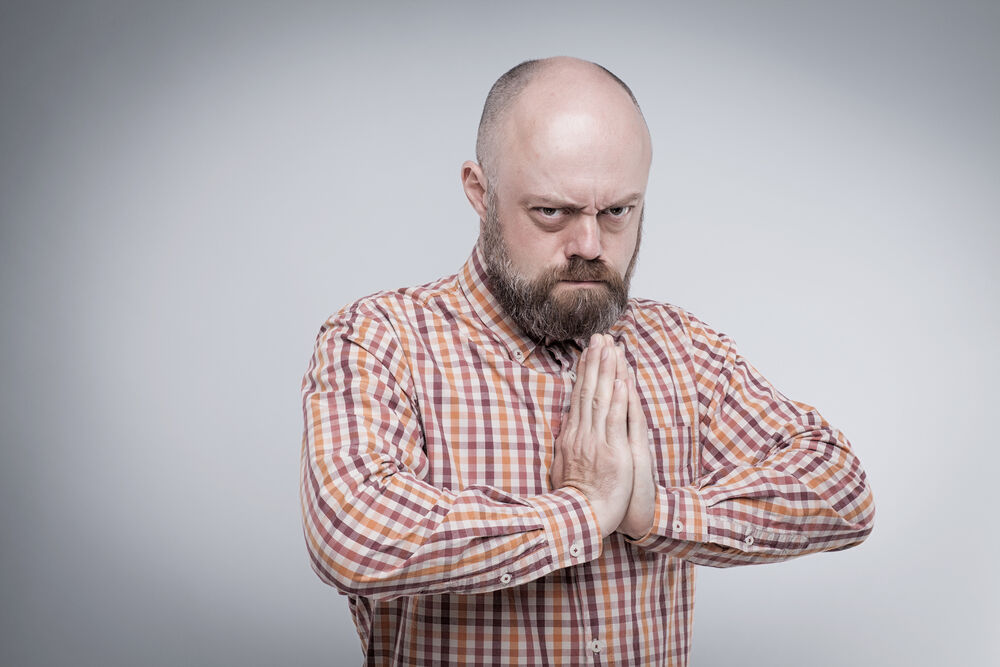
(541, 314)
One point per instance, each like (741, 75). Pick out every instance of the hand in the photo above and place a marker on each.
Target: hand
(592, 452)
(639, 516)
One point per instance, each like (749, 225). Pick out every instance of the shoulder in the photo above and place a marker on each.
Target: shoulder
(393, 308)
(680, 327)
(660, 315)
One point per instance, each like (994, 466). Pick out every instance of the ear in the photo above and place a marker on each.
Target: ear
(474, 184)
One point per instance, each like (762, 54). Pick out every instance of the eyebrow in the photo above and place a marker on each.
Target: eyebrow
(549, 201)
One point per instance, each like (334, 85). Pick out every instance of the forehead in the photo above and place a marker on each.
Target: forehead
(573, 132)
(578, 156)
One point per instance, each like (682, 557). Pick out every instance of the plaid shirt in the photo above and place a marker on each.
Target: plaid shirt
(430, 422)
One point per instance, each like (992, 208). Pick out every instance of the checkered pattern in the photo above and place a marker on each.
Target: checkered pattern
(429, 431)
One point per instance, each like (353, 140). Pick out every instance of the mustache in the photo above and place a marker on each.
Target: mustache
(586, 270)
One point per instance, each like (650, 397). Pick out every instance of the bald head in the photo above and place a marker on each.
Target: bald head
(537, 92)
(560, 190)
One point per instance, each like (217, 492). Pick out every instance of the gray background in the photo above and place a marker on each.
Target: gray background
(187, 191)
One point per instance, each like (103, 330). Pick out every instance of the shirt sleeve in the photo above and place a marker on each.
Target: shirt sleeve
(774, 479)
(373, 525)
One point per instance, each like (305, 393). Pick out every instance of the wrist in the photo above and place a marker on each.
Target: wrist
(641, 511)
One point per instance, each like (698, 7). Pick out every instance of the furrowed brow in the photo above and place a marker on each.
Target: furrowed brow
(547, 201)
(628, 200)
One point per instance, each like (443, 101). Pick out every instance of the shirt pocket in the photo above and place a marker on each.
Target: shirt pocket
(673, 454)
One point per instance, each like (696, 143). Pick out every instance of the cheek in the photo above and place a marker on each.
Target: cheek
(531, 260)
(529, 250)
(621, 248)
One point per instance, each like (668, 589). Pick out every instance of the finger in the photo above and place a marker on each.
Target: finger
(621, 373)
(589, 382)
(636, 415)
(621, 370)
(615, 430)
(573, 418)
(605, 388)
(556, 472)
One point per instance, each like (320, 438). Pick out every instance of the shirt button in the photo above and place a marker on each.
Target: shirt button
(518, 354)
(572, 375)
(748, 540)
(575, 550)
(678, 526)
(595, 645)
(505, 578)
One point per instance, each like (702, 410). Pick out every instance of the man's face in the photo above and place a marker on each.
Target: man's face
(534, 303)
(562, 229)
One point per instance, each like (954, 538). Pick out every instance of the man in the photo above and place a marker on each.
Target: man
(518, 464)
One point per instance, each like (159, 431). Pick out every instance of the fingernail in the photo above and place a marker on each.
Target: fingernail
(604, 353)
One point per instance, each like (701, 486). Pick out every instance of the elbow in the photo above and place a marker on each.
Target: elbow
(327, 574)
(323, 557)
(858, 516)
(867, 522)
(337, 569)
(329, 549)
(352, 566)
(335, 554)
(335, 558)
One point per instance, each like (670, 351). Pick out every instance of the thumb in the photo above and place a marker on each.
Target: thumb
(556, 472)
(636, 415)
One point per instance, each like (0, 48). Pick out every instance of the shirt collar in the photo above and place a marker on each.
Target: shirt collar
(473, 281)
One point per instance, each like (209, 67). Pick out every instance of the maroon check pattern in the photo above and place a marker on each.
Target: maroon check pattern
(429, 430)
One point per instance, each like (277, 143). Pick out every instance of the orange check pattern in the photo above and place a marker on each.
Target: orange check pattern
(429, 430)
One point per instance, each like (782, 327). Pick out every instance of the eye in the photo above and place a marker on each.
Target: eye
(551, 214)
(618, 211)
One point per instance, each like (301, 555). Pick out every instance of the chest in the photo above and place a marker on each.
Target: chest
(491, 419)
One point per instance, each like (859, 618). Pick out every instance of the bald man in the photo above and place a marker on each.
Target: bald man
(521, 465)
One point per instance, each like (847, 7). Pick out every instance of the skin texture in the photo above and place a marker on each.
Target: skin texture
(570, 168)
(602, 449)
(576, 314)
(571, 164)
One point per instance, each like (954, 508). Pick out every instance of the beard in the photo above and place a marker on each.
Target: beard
(533, 304)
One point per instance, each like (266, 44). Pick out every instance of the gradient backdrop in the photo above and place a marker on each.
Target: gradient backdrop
(187, 190)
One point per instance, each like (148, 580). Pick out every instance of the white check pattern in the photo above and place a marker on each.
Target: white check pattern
(429, 430)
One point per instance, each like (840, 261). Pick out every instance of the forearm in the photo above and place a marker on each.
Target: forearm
(374, 522)
(809, 495)
(393, 535)
(748, 475)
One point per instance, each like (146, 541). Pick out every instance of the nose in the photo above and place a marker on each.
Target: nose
(584, 238)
